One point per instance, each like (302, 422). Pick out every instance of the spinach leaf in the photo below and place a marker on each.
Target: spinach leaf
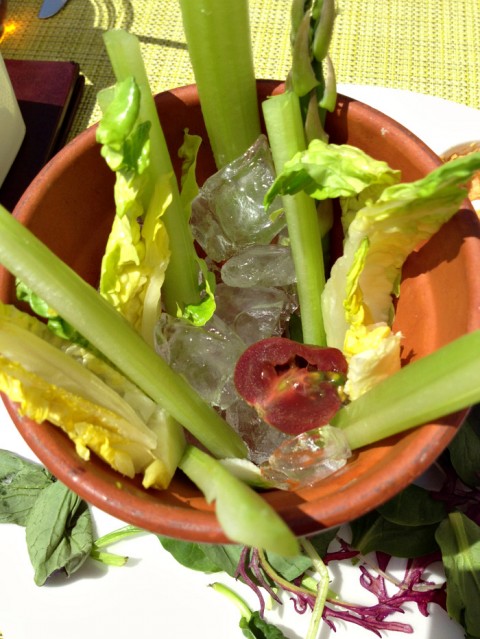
(206, 558)
(322, 541)
(459, 540)
(188, 554)
(225, 557)
(211, 558)
(465, 449)
(289, 568)
(413, 506)
(58, 532)
(21, 482)
(258, 628)
(375, 533)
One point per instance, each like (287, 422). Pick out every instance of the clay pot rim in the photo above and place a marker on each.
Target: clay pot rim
(174, 517)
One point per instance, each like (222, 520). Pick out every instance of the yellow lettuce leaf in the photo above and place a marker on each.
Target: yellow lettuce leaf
(100, 410)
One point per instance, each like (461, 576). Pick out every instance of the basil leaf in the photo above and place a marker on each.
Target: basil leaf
(375, 533)
(188, 554)
(258, 628)
(322, 541)
(21, 482)
(206, 558)
(413, 506)
(225, 557)
(465, 449)
(58, 532)
(289, 568)
(459, 540)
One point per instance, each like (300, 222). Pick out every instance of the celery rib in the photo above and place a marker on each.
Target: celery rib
(60, 287)
(285, 132)
(436, 385)
(181, 285)
(237, 506)
(218, 39)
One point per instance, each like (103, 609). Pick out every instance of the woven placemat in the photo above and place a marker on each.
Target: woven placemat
(429, 46)
(426, 46)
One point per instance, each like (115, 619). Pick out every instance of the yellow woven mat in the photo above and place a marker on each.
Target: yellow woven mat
(427, 46)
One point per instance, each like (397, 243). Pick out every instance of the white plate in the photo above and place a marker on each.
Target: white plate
(153, 596)
(439, 123)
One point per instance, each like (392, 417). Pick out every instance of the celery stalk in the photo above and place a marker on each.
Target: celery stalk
(312, 76)
(244, 515)
(322, 588)
(428, 388)
(82, 306)
(285, 132)
(302, 77)
(324, 30)
(218, 40)
(181, 285)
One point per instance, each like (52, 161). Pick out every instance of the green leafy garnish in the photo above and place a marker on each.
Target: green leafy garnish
(459, 538)
(252, 624)
(21, 482)
(59, 532)
(58, 524)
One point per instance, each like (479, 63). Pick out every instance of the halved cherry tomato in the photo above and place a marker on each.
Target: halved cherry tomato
(294, 387)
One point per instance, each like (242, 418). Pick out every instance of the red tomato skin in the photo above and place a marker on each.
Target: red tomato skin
(293, 386)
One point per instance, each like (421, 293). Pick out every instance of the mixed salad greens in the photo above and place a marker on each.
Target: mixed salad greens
(348, 360)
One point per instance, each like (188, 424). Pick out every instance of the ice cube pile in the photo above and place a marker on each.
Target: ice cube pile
(228, 214)
(247, 248)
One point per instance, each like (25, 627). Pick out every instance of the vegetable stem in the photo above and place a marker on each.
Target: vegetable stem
(227, 592)
(181, 285)
(285, 131)
(108, 558)
(279, 580)
(237, 506)
(426, 389)
(113, 559)
(322, 588)
(32, 262)
(218, 39)
(118, 535)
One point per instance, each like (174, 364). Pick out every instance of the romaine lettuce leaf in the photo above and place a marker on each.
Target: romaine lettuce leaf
(99, 409)
(327, 171)
(357, 300)
(137, 251)
(196, 314)
(381, 237)
(373, 353)
(55, 323)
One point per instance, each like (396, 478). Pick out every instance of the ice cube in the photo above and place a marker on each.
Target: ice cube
(204, 355)
(228, 213)
(254, 313)
(303, 460)
(260, 438)
(260, 265)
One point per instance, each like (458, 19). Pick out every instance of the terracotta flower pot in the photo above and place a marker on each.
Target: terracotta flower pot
(70, 207)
